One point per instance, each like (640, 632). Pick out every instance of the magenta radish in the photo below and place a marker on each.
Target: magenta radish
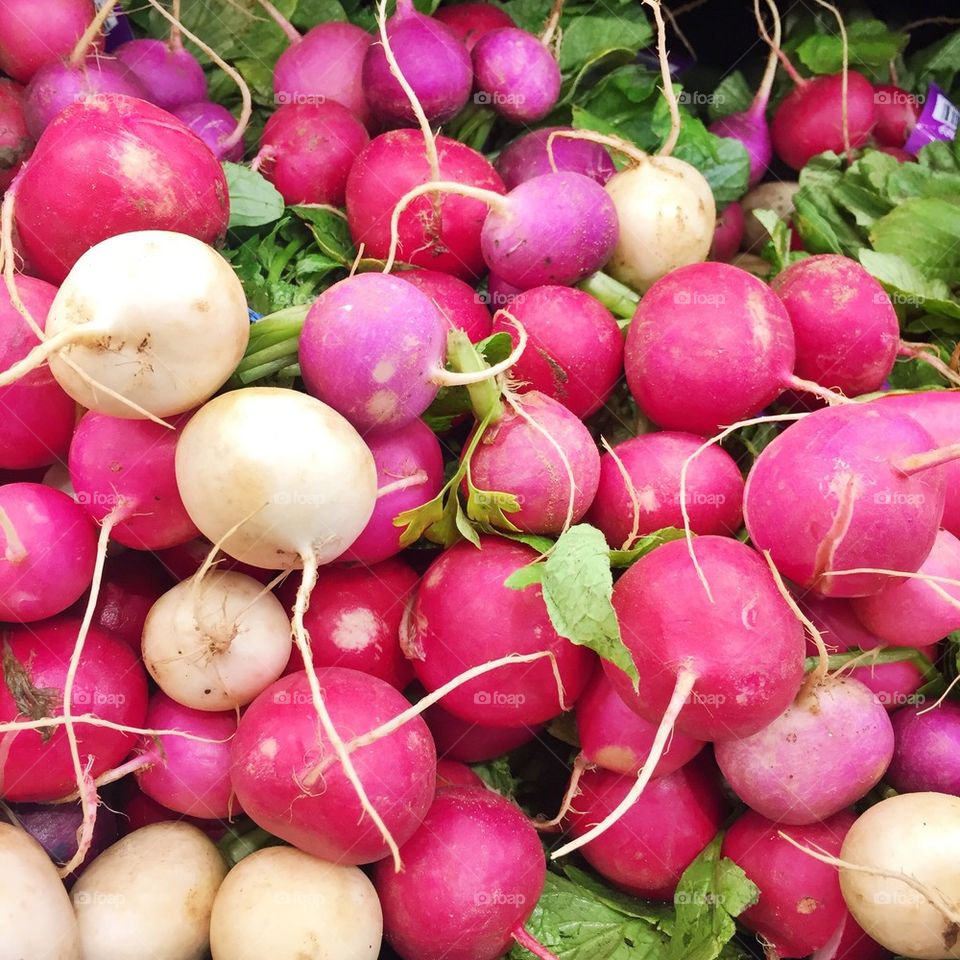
(450, 773)
(171, 75)
(637, 854)
(484, 860)
(125, 468)
(409, 474)
(36, 416)
(846, 330)
(639, 489)
(216, 643)
(574, 353)
(288, 780)
(184, 561)
(214, 125)
(109, 683)
(926, 754)
(32, 35)
(49, 546)
(528, 156)
(354, 619)
(728, 234)
(471, 21)
(516, 74)
(132, 582)
(897, 113)
(307, 150)
(386, 169)
(830, 493)
(459, 304)
(613, 737)
(466, 585)
(16, 144)
(433, 61)
(800, 906)
(854, 944)
(500, 294)
(542, 454)
(915, 612)
(168, 180)
(190, 776)
(823, 753)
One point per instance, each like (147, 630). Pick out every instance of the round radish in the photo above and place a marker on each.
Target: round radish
(166, 179)
(470, 21)
(453, 774)
(289, 782)
(927, 752)
(170, 75)
(214, 125)
(132, 582)
(466, 586)
(459, 304)
(184, 561)
(32, 34)
(16, 144)
(728, 234)
(528, 157)
(897, 113)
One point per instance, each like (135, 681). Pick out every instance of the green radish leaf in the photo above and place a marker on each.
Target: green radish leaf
(870, 43)
(776, 251)
(496, 348)
(732, 95)
(589, 38)
(937, 63)
(498, 776)
(923, 231)
(330, 231)
(908, 286)
(491, 506)
(254, 201)
(646, 543)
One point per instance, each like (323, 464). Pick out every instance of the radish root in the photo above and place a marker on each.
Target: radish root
(774, 45)
(927, 353)
(667, 148)
(413, 480)
(631, 492)
(832, 397)
(79, 53)
(580, 765)
(448, 378)
(844, 76)
(762, 97)
(943, 696)
(931, 458)
(625, 147)
(290, 31)
(531, 945)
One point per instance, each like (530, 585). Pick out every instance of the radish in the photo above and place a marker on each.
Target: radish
(466, 585)
(574, 352)
(750, 126)
(155, 886)
(836, 725)
(897, 114)
(861, 505)
(354, 619)
(189, 776)
(774, 195)
(613, 737)
(480, 854)
(36, 416)
(32, 35)
(184, 561)
(35, 911)
(170, 74)
(137, 810)
(926, 754)
(216, 642)
(49, 547)
(800, 906)
(516, 74)
(453, 774)
(409, 474)
(126, 468)
(166, 180)
(639, 489)
(637, 854)
(471, 21)
(132, 582)
(500, 294)
(529, 155)
(728, 234)
(386, 170)
(846, 330)
(433, 62)
(16, 144)
(279, 902)
(914, 612)
(109, 684)
(542, 454)
(459, 304)
(290, 782)
(307, 150)
(215, 126)
(898, 874)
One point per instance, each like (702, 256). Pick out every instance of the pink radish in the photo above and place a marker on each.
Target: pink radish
(926, 754)
(189, 776)
(278, 751)
(307, 150)
(109, 683)
(170, 74)
(132, 582)
(897, 113)
(215, 126)
(125, 468)
(637, 854)
(471, 21)
(32, 35)
(728, 234)
(459, 304)
(639, 490)
(49, 546)
(453, 774)
(528, 156)
(16, 144)
(184, 561)
(466, 585)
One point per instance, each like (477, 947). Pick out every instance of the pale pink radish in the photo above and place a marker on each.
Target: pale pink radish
(170, 74)
(459, 304)
(529, 156)
(471, 21)
(215, 125)
(926, 754)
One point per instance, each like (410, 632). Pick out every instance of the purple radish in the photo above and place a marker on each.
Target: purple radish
(432, 60)
(575, 349)
(653, 462)
(307, 149)
(914, 612)
(470, 21)
(516, 74)
(615, 738)
(469, 742)
(409, 474)
(927, 753)
(500, 293)
(728, 234)
(466, 585)
(459, 304)
(637, 853)
(124, 469)
(834, 492)
(846, 330)
(528, 157)
(483, 859)
(542, 454)
(170, 75)
(48, 545)
(823, 753)
(33, 35)
(214, 125)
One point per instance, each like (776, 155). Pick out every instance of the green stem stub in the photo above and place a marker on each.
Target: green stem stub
(463, 357)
